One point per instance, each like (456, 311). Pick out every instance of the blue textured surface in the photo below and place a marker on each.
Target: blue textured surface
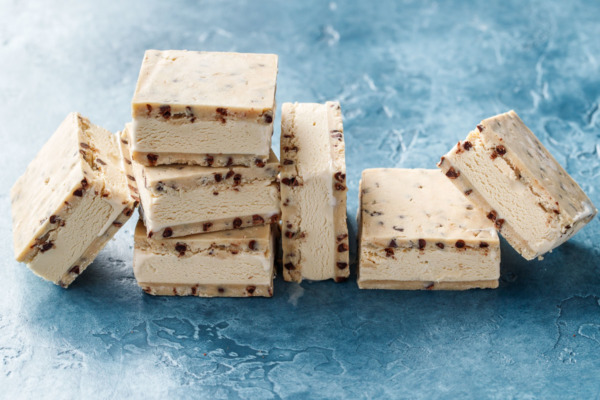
(413, 78)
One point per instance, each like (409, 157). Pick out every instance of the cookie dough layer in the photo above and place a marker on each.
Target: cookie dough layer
(70, 201)
(190, 106)
(506, 172)
(234, 263)
(313, 193)
(416, 231)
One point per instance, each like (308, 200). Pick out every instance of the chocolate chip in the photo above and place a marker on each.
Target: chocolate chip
(229, 162)
(194, 290)
(128, 211)
(440, 245)
(389, 252)
(181, 248)
(206, 226)
(84, 145)
(150, 234)
(165, 111)
(237, 178)
(274, 218)
(74, 270)
(342, 247)
(250, 289)
(221, 290)
(168, 232)
(397, 228)
(468, 192)
(147, 289)
(499, 222)
(268, 117)
(84, 183)
(229, 174)
(289, 266)
(339, 177)
(290, 181)
(47, 246)
(131, 178)
(480, 127)
(252, 245)
(422, 244)
(289, 234)
(222, 111)
(148, 108)
(342, 265)
(460, 244)
(342, 237)
(152, 158)
(393, 243)
(160, 186)
(568, 227)
(501, 150)
(218, 177)
(54, 219)
(492, 215)
(99, 161)
(467, 145)
(430, 286)
(287, 149)
(483, 245)
(259, 163)
(237, 222)
(340, 279)
(288, 162)
(452, 173)
(339, 186)
(257, 219)
(117, 224)
(209, 160)
(78, 193)
(175, 291)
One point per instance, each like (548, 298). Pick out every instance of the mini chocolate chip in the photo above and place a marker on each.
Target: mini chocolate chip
(221, 290)
(483, 244)
(149, 108)
(342, 237)
(494, 155)
(440, 245)
(499, 222)
(290, 181)
(229, 174)
(568, 227)
(342, 265)
(218, 177)
(150, 234)
(131, 178)
(480, 127)
(160, 186)
(468, 192)
(165, 111)
(229, 162)
(430, 286)
(501, 150)
(152, 158)
(74, 270)
(194, 290)
(268, 117)
(340, 279)
(62, 284)
(147, 289)
(181, 248)
(209, 160)
(234, 251)
(128, 211)
(257, 219)
(492, 215)
(117, 224)
(452, 173)
(206, 226)
(47, 246)
(288, 162)
(237, 222)
(168, 232)
(389, 252)
(84, 145)
(339, 176)
(250, 289)
(422, 244)
(339, 186)
(342, 247)
(78, 193)
(252, 245)
(237, 178)
(54, 219)
(460, 243)
(84, 183)
(393, 243)
(259, 163)
(222, 111)
(215, 193)
(289, 266)
(289, 234)
(467, 145)
(397, 228)
(274, 218)
(99, 161)
(557, 212)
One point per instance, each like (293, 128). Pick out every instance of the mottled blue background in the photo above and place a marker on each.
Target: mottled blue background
(413, 78)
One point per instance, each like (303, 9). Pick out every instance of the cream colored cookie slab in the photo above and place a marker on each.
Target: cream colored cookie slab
(313, 192)
(416, 229)
(190, 106)
(506, 172)
(70, 201)
(230, 263)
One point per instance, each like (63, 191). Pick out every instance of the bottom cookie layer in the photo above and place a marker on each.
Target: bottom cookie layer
(425, 285)
(169, 289)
